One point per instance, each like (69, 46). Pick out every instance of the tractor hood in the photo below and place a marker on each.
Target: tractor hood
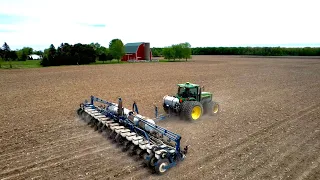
(206, 94)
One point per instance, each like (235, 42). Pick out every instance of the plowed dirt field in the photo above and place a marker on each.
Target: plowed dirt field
(268, 127)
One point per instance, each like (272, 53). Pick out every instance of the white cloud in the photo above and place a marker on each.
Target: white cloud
(202, 22)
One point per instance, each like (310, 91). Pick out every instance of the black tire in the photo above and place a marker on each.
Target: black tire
(117, 138)
(126, 145)
(95, 125)
(188, 109)
(213, 108)
(99, 126)
(90, 120)
(143, 153)
(93, 122)
(79, 111)
(149, 163)
(113, 134)
(206, 105)
(152, 161)
(102, 129)
(159, 168)
(83, 115)
(132, 149)
(144, 156)
(87, 118)
(182, 110)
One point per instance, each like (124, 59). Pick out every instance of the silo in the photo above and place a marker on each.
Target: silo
(147, 51)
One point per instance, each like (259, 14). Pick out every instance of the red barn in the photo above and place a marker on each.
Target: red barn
(137, 51)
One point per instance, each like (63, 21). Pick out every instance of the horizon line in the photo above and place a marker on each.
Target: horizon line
(293, 45)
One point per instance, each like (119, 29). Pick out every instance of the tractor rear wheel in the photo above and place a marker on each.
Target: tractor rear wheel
(182, 110)
(192, 110)
(206, 105)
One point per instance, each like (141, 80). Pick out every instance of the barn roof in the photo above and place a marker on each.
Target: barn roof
(132, 47)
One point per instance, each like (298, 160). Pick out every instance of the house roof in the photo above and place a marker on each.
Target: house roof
(132, 47)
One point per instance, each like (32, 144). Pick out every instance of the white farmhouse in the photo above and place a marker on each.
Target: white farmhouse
(34, 56)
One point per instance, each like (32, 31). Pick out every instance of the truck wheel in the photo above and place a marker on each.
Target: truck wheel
(193, 110)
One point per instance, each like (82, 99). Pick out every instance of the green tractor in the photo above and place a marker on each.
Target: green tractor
(190, 102)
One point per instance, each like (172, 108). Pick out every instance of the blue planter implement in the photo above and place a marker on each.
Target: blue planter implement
(159, 147)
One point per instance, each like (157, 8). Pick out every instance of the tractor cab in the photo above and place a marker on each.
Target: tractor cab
(192, 92)
(189, 91)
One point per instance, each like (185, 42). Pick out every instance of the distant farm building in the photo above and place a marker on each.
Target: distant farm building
(34, 56)
(137, 51)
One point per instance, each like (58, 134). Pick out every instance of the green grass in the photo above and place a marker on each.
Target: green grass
(20, 64)
(114, 61)
(36, 63)
(170, 60)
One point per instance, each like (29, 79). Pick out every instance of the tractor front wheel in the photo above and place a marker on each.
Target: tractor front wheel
(213, 108)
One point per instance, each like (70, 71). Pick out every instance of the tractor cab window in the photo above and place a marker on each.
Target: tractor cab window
(181, 91)
(193, 92)
(187, 92)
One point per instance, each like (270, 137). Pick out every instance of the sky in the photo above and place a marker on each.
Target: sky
(202, 23)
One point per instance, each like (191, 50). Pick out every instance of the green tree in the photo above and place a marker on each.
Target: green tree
(52, 53)
(24, 53)
(116, 48)
(186, 50)
(101, 50)
(97, 48)
(178, 51)
(104, 54)
(49, 56)
(168, 53)
(1, 56)
(156, 52)
(40, 53)
(6, 53)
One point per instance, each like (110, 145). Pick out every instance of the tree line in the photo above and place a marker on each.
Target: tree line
(77, 54)
(259, 51)
(66, 54)
(17, 55)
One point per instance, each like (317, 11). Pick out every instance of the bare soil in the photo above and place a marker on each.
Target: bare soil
(268, 127)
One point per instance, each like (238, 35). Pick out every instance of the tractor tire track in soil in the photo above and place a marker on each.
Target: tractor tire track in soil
(53, 149)
(249, 145)
(44, 147)
(268, 128)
